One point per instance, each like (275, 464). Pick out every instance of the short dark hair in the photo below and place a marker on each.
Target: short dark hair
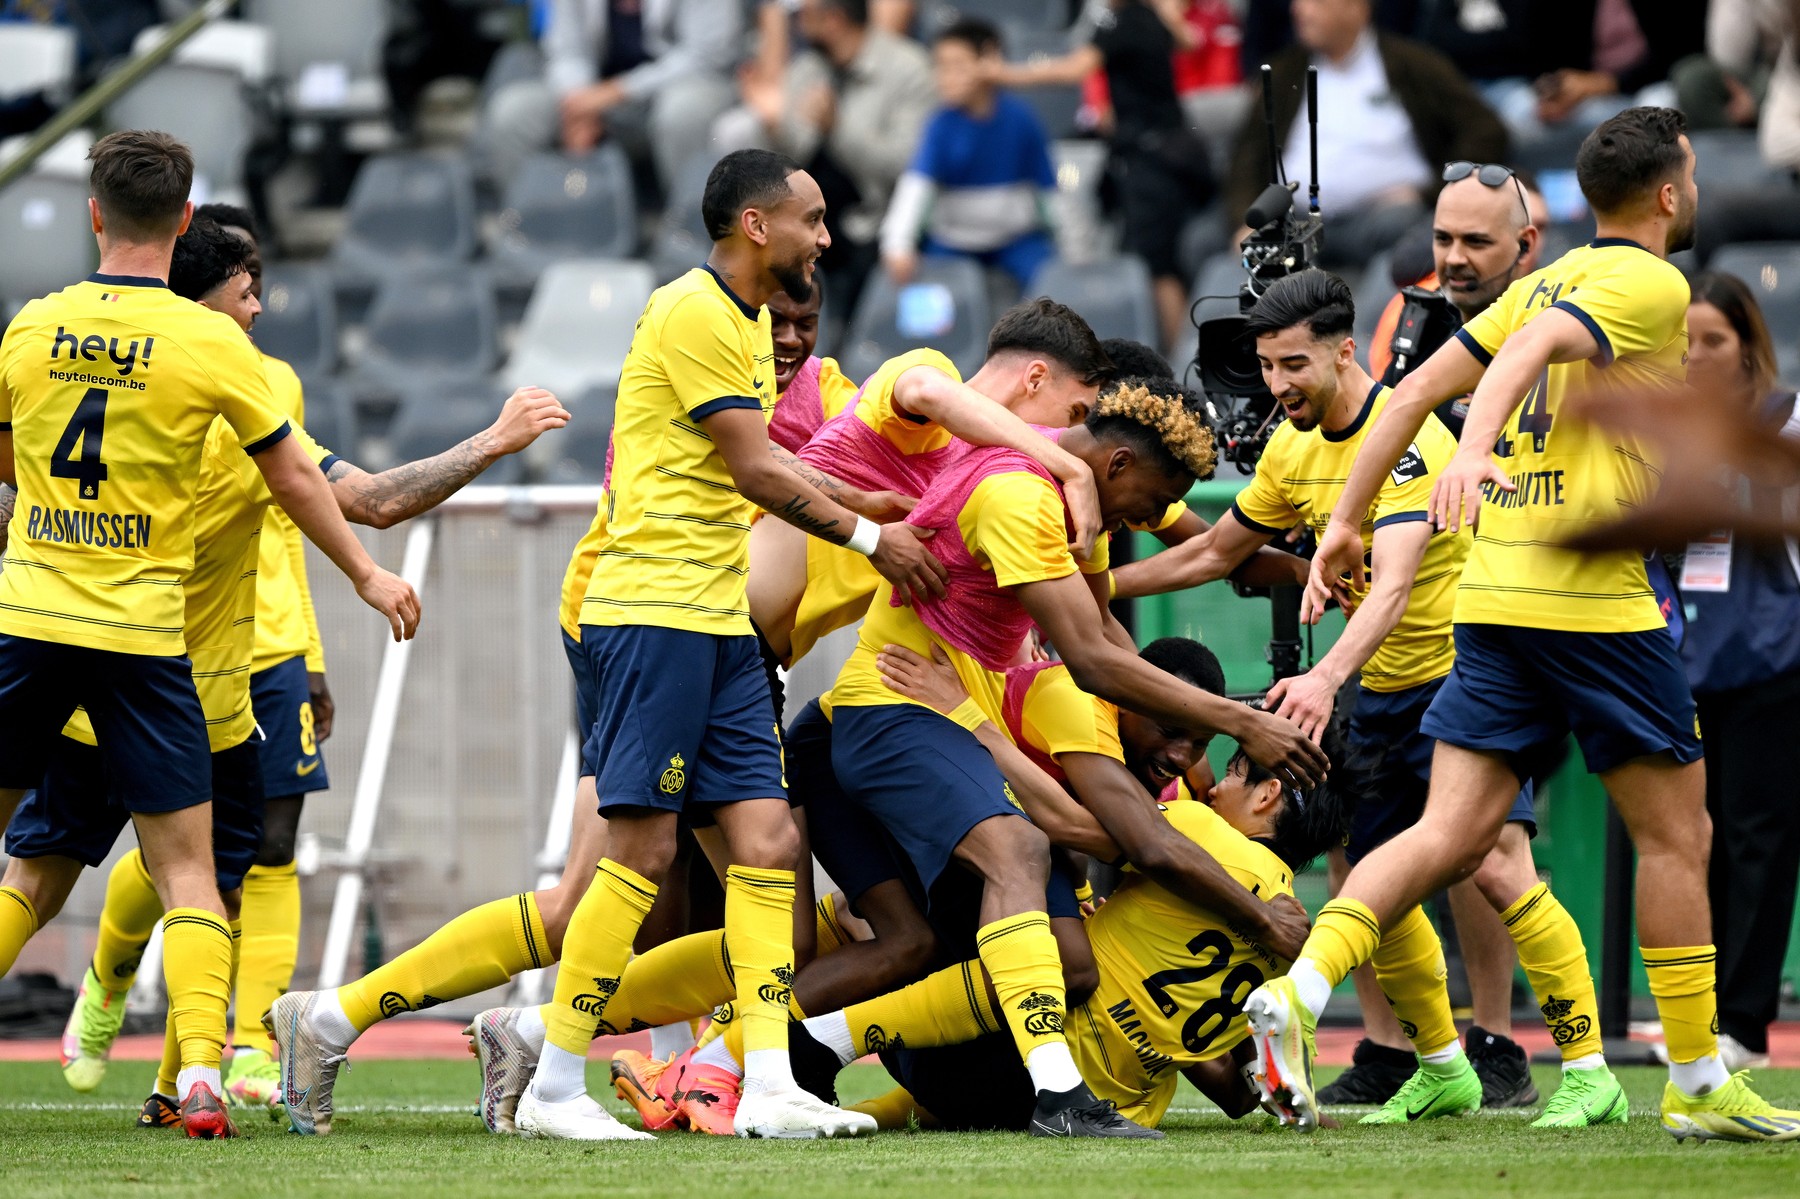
(205, 256)
(855, 11)
(981, 36)
(232, 216)
(1135, 359)
(1188, 661)
(1629, 156)
(740, 180)
(1052, 330)
(1317, 299)
(141, 179)
(1311, 822)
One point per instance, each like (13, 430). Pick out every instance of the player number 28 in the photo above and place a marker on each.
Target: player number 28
(1211, 1018)
(88, 426)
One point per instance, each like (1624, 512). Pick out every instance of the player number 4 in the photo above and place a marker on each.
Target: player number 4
(87, 426)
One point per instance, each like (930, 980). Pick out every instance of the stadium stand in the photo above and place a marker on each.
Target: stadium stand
(299, 319)
(1112, 293)
(945, 306)
(578, 325)
(557, 208)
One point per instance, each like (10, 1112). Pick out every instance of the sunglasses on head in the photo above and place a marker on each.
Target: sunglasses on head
(1491, 174)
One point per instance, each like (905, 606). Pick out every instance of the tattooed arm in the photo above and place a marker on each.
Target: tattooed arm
(880, 506)
(405, 491)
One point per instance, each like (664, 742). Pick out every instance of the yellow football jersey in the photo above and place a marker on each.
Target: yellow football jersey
(231, 508)
(1572, 474)
(1056, 717)
(286, 626)
(109, 388)
(1174, 977)
(875, 405)
(677, 535)
(1300, 477)
(836, 390)
(1013, 524)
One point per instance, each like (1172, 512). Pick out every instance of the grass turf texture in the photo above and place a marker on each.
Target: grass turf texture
(409, 1128)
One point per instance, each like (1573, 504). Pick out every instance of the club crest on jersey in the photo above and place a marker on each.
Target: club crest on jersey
(675, 777)
(1006, 789)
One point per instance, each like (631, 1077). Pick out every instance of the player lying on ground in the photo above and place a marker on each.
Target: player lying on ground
(1549, 641)
(108, 390)
(1398, 640)
(72, 820)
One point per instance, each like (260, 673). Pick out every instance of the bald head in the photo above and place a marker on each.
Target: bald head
(1482, 239)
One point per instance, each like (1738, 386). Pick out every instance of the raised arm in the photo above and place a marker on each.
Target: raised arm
(896, 550)
(1064, 610)
(971, 416)
(1212, 555)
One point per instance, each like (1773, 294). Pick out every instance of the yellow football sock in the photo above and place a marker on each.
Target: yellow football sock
(759, 928)
(1409, 965)
(131, 912)
(1020, 955)
(482, 948)
(596, 948)
(18, 924)
(677, 980)
(170, 1069)
(723, 1017)
(197, 970)
(946, 1008)
(1556, 962)
(1681, 981)
(892, 1111)
(1343, 938)
(829, 933)
(266, 955)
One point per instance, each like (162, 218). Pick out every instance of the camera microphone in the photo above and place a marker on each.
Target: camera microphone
(1273, 204)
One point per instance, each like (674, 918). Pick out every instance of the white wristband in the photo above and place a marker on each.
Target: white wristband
(866, 537)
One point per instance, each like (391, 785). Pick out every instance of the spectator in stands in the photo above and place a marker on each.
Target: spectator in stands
(980, 182)
(1723, 88)
(1159, 168)
(1742, 652)
(1389, 108)
(1483, 236)
(1498, 45)
(103, 33)
(653, 74)
(1209, 73)
(850, 110)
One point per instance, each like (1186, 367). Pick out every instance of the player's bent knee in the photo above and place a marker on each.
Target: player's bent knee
(281, 827)
(1007, 851)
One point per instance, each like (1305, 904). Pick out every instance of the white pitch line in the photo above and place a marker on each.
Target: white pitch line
(428, 1109)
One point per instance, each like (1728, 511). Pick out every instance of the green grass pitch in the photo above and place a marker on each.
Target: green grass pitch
(408, 1128)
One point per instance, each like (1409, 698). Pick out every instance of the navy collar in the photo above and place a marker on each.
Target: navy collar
(1355, 426)
(749, 312)
(1601, 243)
(127, 280)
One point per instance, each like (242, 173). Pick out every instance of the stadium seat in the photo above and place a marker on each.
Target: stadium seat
(1372, 291)
(577, 454)
(1731, 158)
(1772, 269)
(427, 326)
(68, 157)
(241, 46)
(557, 208)
(328, 418)
(578, 325)
(327, 53)
(1056, 105)
(683, 242)
(205, 107)
(1216, 287)
(945, 307)
(405, 211)
(1113, 295)
(49, 242)
(299, 320)
(429, 424)
(1023, 14)
(36, 58)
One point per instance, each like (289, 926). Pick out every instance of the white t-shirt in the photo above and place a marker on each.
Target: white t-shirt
(1366, 142)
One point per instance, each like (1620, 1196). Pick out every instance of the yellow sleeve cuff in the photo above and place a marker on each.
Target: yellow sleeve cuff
(969, 715)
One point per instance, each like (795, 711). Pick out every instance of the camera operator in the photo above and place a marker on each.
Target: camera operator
(1397, 637)
(1487, 230)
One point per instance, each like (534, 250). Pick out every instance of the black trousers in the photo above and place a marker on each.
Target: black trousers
(1752, 738)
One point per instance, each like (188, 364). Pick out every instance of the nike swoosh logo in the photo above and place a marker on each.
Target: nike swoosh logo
(306, 770)
(1048, 1129)
(756, 383)
(1414, 1115)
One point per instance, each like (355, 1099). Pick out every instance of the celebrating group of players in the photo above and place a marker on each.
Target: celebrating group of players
(954, 779)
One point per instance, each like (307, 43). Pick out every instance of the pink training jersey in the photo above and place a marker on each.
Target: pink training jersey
(800, 410)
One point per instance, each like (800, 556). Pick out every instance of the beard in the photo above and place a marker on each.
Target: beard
(1681, 233)
(793, 280)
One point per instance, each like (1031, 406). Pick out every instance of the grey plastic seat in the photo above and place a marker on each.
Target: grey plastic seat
(945, 307)
(405, 211)
(299, 320)
(1113, 295)
(338, 42)
(36, 57)
(576, 454)
(683, 242)
(1772, 269)
(427, 326)
(328, 417)
(428, 423)
(1731, 157)
(49, 242)
(557, 208)
(1056, 105)
(578, 326)
(205, 107)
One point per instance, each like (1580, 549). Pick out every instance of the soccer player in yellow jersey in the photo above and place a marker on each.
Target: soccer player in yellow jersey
(1549, 641)
(71, 820)
(107, 390)
(1398, 639)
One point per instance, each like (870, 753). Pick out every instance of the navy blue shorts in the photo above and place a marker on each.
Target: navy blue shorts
(145, 710)
(925, 779)
(1387, 724)
(73, 813)
(1519, 692)
(587, 703)
(978, 1086)
(684, 719)
(281, 698)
